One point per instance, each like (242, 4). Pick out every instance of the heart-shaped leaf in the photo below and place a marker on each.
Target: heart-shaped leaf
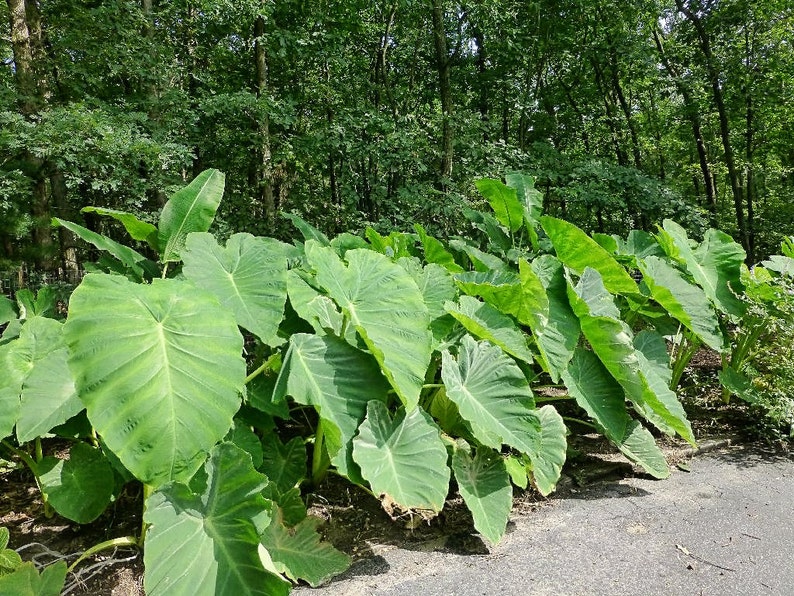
(203, 540)
(299, 553)
(492, 395)
(248, 277)
(26, 580)
(338, 380)
(484, 321)
(404, 460)
(548, 459)
(384, 304)
(48, 397)
(159, 369)
(484, 484)
(78, 488)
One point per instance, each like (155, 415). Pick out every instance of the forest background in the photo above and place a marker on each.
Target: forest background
(382, 113)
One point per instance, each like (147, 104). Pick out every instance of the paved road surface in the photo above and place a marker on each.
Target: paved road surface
(724, 529)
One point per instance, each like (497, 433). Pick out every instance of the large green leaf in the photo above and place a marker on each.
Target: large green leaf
(492, 395)
(531, 200)
(48, 397)
(685, 301)
(384, 304)
(313, 307)
(654, 347)
(434, 282)
(660, 404)
(7, 312)
(190, 209)
(204, 539)
(299, 553)
(521, 296)
(504, 201)
(484, 484)
(284, 465)
(485, 322)
(338, 380)
(480, 260)
(638, 445)
(578, 251)
(404, 459)
(80, 487)
(549, 458)
(715, 264)
(598, 394)
(612, 340)
(137, 264)
(38, 338)
(556, 334)
(139, 230)
(26, 580)
(159, 369)
(435, 252)
(9, 407)
(308, 231)
(495, 232)
(248, 277)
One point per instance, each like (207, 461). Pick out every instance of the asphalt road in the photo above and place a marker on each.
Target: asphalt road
(726, 528)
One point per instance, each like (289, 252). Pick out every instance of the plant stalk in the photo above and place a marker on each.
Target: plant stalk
(148, 489)
(318, 468)
(266, 365)
(115, 542)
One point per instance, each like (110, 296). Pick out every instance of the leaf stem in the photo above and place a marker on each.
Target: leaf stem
(31, 464)
(318, 468)
(552, 398)
(266, 365)
(582, 422)
(148, 489)
(115, 542)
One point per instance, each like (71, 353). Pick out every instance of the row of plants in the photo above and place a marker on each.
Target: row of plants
(420, 363)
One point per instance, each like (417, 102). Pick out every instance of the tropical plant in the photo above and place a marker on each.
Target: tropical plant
(414, 359)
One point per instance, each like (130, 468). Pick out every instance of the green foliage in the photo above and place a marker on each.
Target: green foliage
(159, 369)
(211, 530)
(9, 559)
(403, 459)
(399, 372)
(25, 580)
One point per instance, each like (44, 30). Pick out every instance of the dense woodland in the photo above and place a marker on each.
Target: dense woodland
(355, 113)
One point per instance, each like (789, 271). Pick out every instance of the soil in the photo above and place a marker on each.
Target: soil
(355, 521)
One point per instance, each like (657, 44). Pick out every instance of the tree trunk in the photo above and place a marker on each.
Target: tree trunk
(624, 106)
(445, 91)
(27, 46)
(725, 133)
(265, 186)
(24, 76)
(609, 109)
(693, 115)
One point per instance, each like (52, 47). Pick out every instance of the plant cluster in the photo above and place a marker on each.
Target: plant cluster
(414, 358)
(760, 369)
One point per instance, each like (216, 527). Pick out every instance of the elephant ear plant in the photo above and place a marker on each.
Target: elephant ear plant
(406, 364)
(148, 371)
